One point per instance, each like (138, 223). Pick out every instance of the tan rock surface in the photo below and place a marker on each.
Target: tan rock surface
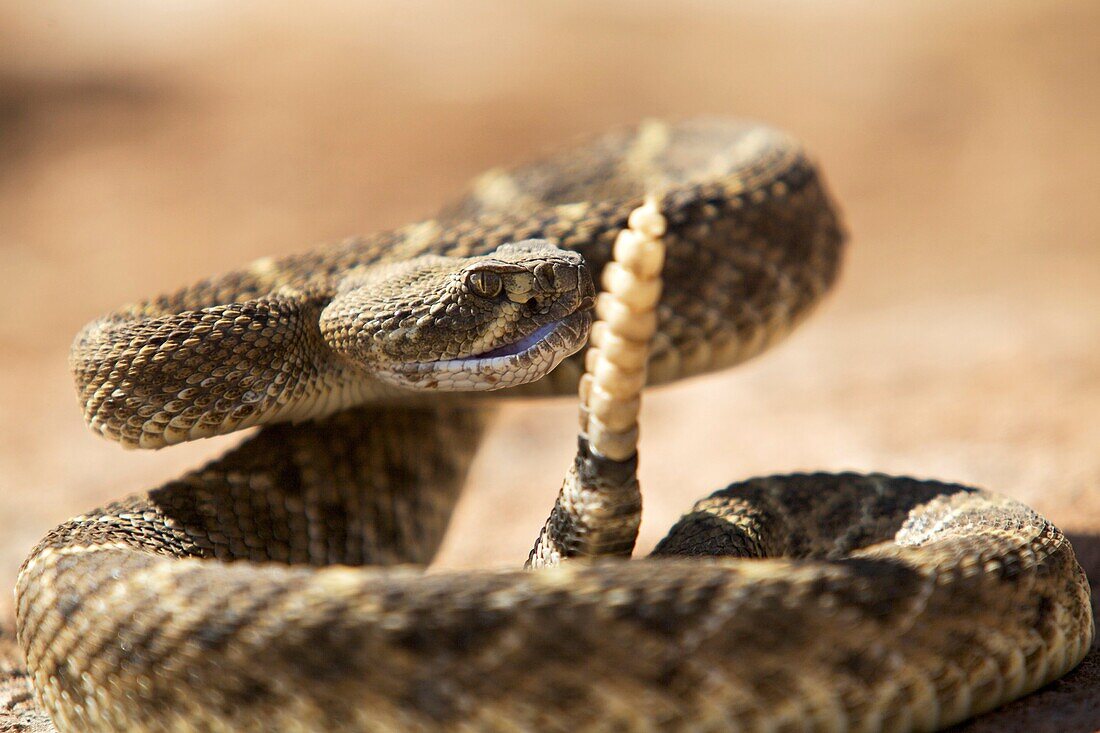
(143, 146)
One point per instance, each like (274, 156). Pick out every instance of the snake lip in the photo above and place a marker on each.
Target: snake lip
(580, 316)
(558, 337)
(525, 360)
(536, 337)
(518, 347)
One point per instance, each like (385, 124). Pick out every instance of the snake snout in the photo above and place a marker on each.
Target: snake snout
(565, 286)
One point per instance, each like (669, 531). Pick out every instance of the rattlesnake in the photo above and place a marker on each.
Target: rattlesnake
(871, 603)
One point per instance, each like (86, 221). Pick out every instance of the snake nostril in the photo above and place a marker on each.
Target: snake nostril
(545, 274)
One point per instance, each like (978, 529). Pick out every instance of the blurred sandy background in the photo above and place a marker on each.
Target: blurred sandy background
(144, 145)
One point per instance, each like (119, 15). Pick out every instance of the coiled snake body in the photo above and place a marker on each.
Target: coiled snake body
(867, 602)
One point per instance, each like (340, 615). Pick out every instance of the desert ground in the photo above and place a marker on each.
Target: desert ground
(143, 146)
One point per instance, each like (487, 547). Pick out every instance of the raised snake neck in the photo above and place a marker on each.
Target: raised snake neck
(874, 602)
(753, 244)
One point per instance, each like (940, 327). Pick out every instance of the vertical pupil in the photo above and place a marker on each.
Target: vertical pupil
(485, 284)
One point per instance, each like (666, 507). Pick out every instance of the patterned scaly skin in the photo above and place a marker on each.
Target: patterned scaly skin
(873, 602)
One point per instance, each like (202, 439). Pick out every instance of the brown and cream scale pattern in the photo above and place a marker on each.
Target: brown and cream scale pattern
(276, 588)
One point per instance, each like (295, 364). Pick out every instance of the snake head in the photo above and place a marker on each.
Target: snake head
(465, 324)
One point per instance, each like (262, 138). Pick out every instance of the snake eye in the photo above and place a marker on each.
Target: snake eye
(485, 283)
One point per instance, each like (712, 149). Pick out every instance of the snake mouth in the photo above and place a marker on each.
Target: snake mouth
(525, 360)
(519, 347)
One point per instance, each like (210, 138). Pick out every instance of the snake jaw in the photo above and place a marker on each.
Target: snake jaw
(529, 359)
(471, 324)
